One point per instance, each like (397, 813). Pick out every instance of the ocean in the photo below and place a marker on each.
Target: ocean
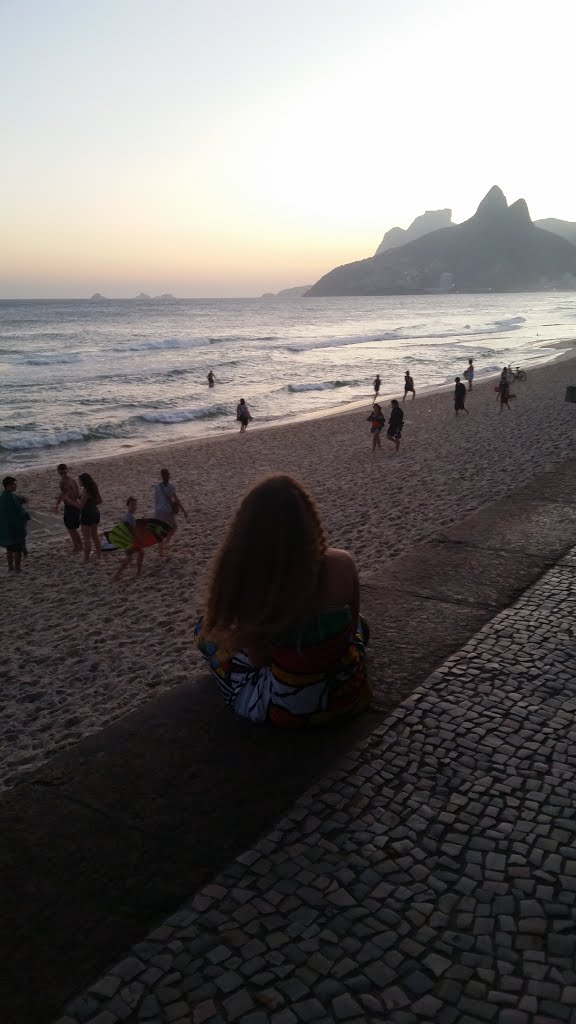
(83, 379)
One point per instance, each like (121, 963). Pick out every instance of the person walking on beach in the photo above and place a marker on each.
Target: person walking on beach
(469, 374)
(211, 379)
(13, 522)
(504, 393)
(409, 386)
(459, 397)
(69, 492)
(167, 505)
(395, 424)
(376, 418)
(243, 415)
(129, 518)
(376, 385)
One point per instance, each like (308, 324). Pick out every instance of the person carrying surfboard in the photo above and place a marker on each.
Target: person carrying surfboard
(167, 505)
(129, 519)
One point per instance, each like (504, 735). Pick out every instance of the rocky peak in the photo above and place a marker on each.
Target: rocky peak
(493, 204)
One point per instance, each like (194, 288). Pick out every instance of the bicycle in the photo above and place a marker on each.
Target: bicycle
(518, 375)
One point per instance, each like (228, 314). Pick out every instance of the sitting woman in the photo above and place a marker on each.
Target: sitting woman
(282, 631)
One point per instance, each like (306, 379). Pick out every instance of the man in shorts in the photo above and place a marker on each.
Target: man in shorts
(69, 491)
(409, 386)
(395, 423)
(376, 385)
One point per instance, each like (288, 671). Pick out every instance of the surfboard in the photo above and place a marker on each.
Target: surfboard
(148, 532)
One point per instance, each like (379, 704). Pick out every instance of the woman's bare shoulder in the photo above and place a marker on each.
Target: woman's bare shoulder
(338, 558)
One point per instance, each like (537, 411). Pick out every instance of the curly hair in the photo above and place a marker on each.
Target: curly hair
(266, 573)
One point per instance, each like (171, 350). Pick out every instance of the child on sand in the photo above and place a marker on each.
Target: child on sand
(376, 418)
(395, 424)
(129, 519)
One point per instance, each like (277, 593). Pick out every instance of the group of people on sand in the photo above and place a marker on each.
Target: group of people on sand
(81, 500)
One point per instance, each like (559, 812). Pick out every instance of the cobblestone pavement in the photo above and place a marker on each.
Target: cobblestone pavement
(430, 877)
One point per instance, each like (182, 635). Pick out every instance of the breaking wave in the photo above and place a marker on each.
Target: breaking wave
(327, 386)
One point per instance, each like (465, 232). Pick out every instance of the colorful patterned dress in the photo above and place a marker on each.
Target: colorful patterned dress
(316, 674)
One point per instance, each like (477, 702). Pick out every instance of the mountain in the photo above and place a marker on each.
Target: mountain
(565, 228)
(143, 297)
(288, 293)
(98, 297)
(498, 249)
(432, 220)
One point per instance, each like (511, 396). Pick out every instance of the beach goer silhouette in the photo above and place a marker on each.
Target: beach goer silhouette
(409, 386)
(129, 518)
(469, 374)
(167, 505)
(211, 379)
(70, 495)
(395, 424)
(281, 629)
(376, 418)
(376, 385)
(459, 397)
(243, 415)
(504, 386)
(89, 515)
(13, 522)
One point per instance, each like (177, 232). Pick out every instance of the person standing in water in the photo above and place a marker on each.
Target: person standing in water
(13, 521)
(377, 421)
(469, 374)
(409, 386)
(395, 424)
(167, 505)
(376, 385)
(459, 397)
(211, 379)
(69, 492)
(243, 415)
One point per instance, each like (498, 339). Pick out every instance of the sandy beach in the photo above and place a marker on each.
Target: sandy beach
(81, 649)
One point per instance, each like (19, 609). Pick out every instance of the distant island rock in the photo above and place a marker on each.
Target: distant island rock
(143, 297)
(498, 249)
(98, 297)
(166, 297)
(289, 293)
(432, 220)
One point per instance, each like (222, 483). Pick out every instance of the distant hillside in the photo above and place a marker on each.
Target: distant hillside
(565, 228)
(498, 249)
(432, 220)
(288, 293)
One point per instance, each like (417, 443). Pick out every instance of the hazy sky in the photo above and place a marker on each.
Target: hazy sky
(231, 147)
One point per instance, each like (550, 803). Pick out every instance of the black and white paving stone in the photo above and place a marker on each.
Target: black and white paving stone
(430, 877)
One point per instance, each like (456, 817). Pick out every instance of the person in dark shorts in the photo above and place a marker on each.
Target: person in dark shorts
(459, 397)
(243, 415)
(69, 491)
(211, 378)
(377, 421)
(395, 424)
(89, 514)
(13, 521)
(409, 386)
(376, 385)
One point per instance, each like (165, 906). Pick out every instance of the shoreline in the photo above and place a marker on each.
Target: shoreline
(81, 650)
(565, 351)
